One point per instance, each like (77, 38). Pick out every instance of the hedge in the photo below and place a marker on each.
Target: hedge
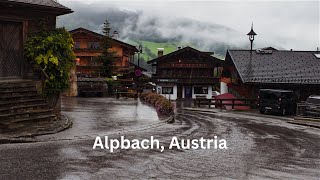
(163, 105)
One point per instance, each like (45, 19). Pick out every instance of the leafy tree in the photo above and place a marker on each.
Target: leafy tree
(107, 57)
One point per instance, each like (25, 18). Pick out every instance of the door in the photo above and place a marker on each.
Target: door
(11, 51)
(179, 92)
(188, 92)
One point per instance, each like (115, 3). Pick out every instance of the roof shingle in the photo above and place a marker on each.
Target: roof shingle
(41, 3)
(294, 67)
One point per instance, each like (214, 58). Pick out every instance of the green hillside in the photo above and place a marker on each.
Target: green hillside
(150, 48)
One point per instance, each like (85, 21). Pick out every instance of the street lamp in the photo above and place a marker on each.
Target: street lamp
(251, 35)
(138, 71)
(140, 51)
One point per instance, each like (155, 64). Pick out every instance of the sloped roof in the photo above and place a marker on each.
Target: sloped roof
(48, 4)
(143, 64)
(80, 29)
(205, 54)
(292, 67)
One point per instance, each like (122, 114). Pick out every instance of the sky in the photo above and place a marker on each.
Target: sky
(283, 24)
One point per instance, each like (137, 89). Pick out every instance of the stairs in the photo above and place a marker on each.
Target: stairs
(22, 107)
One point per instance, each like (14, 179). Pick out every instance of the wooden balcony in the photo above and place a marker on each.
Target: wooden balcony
(178, 65)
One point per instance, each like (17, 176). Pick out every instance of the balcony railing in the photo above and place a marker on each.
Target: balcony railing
(178, 65)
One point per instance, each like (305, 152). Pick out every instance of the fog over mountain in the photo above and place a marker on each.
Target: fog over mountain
(137, 25)
(143, 24)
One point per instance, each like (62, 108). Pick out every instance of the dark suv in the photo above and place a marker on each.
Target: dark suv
(312, 108)
(277, 101)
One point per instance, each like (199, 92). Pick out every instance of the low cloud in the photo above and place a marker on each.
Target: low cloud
(154, 26)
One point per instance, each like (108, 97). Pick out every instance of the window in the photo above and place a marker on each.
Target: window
(167, 90)
(77, 45)
(93, 45)
(200, 90)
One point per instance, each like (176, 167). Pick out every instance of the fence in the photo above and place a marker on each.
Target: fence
(220, 103)
(308, 110)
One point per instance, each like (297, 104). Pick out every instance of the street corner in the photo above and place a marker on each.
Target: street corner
(26, 133)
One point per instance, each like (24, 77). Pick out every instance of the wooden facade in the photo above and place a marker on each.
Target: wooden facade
(88, 47)
(17, 20)
(186, 73)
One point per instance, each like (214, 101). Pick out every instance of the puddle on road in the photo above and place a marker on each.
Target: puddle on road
(102, 115)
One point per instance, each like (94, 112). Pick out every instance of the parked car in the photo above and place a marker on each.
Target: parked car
(312, 106)
(277, 101)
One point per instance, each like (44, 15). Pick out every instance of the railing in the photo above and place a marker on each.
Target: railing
(177, 65)
(308, 110)
(220, 103)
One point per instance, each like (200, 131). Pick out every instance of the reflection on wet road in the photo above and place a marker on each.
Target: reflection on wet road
(257, 148)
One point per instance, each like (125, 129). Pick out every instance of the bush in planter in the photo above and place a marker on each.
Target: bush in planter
(143, 95)
(162, 104)
(150, 97)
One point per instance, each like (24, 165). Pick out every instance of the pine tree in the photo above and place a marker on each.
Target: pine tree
(107, 57)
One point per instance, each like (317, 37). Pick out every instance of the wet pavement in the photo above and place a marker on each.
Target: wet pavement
(259, 147)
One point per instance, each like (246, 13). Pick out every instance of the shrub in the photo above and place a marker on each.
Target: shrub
(162, 104)
(51, 52)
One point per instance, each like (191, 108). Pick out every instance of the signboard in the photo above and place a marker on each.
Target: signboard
(138, 72)
(167, 80)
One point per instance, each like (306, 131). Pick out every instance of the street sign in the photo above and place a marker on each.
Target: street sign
(138, 72)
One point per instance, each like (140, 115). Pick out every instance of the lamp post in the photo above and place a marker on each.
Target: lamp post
(251, 35)
(140, 51)
(138, 71)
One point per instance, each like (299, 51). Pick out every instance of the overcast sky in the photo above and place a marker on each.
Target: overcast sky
(290, 25)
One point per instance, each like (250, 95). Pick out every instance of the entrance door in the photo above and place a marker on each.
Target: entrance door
(179, 92)
(188, 92)
(11, 51)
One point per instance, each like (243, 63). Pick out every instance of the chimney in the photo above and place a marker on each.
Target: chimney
(179, 47)
(115, 35)
(160, 52)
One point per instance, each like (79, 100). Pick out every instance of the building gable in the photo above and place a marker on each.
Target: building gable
(186, 55)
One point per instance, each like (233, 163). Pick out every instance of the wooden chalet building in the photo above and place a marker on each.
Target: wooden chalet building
(88, 47)
(245, 71)
(185, 73)
(21, 104)
(18, 18)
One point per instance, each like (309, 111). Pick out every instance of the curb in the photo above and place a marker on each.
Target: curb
(30, 137)
(239, 112)
(201, 110)
(16, 140)
(305, 123)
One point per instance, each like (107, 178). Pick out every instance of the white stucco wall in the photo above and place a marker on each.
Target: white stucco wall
(223, 88)
(183, 96)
